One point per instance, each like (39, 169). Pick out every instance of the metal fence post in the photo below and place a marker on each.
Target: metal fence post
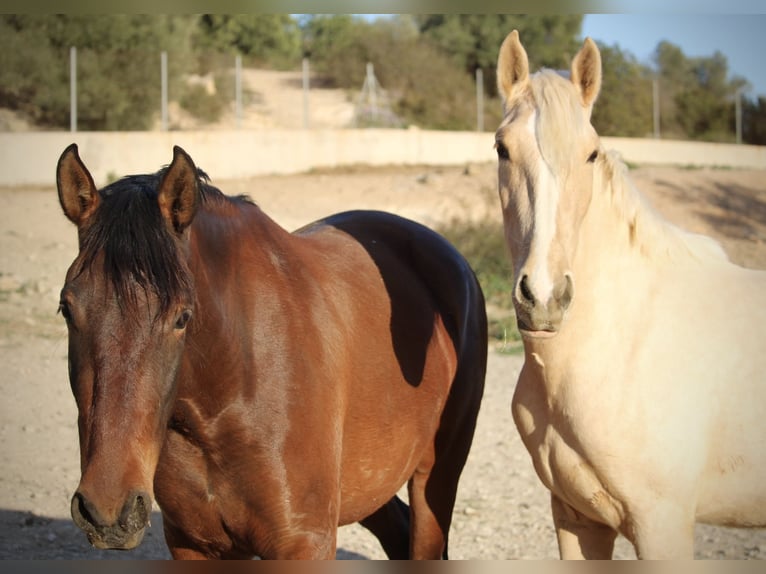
(479, 100)
(306, 122)
(72, 89)
(656, 107)
(164, 79)
(238, 89)
(738, 114)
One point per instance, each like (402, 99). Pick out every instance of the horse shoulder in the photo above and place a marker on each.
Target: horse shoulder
(571, 470)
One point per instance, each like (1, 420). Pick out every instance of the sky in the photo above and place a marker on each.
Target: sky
(741, 38)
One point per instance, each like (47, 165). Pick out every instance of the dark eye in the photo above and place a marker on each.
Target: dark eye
(593, 156)
(64, 310)
(183, 319)
(502, 151)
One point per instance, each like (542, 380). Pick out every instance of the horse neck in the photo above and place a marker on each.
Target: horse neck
(226, 234)
(627, 256)
(234, 255)
(611, 245)
(634, 228)
(622, 228)
(612, 270)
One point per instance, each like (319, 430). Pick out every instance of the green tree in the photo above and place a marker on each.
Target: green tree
(624, 106)
(706, 107)
(754, 121)
(674, 76)
(33, 78)
(696, 95)
(473, 40)
(329, 40)
(425, 86)
(272, 40)
(118, 66)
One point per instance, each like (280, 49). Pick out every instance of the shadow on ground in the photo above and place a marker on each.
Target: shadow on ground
(33, 537)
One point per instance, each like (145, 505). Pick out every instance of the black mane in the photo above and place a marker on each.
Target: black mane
(139, 249)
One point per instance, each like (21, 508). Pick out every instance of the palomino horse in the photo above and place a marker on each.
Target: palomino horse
(642, 398)
(263, 386)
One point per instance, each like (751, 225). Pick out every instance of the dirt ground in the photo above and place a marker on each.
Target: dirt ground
(502, 510)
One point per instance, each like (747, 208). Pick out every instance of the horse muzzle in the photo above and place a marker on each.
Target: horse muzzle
(124, 533)
(538, 319)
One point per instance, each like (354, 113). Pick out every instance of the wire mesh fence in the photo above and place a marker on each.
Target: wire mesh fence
(143, 89)
(169, 91)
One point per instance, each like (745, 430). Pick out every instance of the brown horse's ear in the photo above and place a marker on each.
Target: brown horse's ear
(77, 193)
(586, 72)
(512, 67)
(178, 195)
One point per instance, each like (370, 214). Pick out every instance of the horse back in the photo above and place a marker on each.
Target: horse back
(402, 248)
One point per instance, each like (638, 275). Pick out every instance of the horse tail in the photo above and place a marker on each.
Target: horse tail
(463, 310)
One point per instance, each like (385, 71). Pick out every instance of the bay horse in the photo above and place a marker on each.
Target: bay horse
(641, 399)
(264, 387)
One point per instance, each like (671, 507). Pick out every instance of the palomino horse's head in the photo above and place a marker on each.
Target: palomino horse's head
(546, 149)
(127, 299)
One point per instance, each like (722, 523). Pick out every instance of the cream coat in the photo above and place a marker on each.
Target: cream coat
(642, 400)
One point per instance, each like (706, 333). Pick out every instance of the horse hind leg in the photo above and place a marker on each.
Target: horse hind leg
(431, 505)
(433, 486)
(391, 526)
(418, 531)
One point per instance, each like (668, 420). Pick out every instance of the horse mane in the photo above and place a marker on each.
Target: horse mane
(552, 91)
(139, 250)
(647, 229)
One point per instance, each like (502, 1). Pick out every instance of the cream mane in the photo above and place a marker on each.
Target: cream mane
(648, 230)
(552, 92)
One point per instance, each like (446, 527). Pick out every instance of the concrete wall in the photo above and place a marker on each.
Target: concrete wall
(29, 158)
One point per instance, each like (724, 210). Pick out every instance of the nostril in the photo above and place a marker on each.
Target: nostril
(83, 512)
(526, 293)
(135, 512)
(568, 293)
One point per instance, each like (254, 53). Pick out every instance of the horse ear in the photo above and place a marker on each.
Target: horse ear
(78, 195)
(178, 195)
(512, 66)
(586, 72)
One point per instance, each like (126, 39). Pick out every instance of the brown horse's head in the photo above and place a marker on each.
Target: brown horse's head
(127, 300)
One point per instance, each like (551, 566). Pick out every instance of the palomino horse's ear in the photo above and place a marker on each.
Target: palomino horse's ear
(77, 193)
(586, 72)
(178, 194)
(512, 67)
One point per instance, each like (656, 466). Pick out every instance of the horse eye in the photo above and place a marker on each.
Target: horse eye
(593, 156)
(183, 319)
(64, 310)
(502, 151)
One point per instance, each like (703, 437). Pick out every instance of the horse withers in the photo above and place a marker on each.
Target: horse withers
(262, 386)
(642, 399)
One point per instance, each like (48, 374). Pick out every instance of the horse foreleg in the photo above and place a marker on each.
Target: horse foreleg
(579, 537)
(179, 553)
(182, 547)
(320, 545)
(664, 532)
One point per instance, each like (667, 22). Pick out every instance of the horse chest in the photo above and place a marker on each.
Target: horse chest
(564, 450)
